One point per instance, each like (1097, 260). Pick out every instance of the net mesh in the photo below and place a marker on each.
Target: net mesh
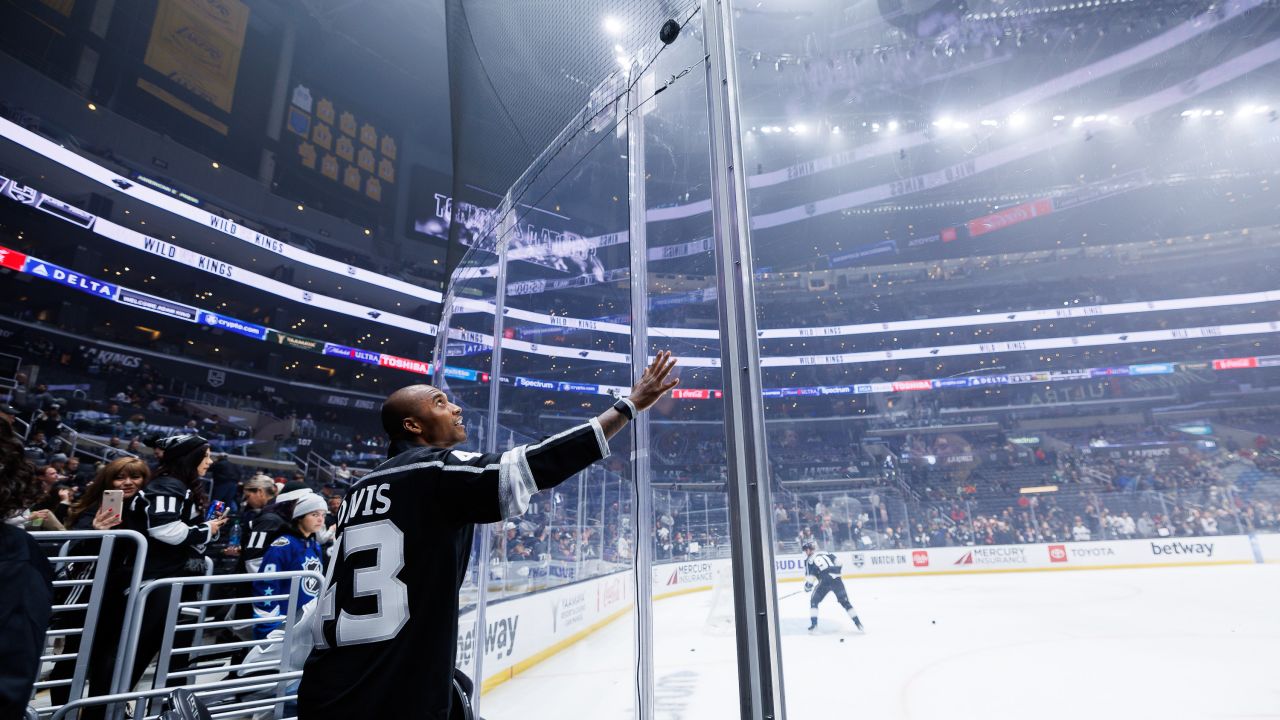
(520, 72)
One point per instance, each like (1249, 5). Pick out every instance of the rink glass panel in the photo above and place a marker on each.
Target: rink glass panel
(471, 297)
(693, 635)
(949, 212)
(567, 258)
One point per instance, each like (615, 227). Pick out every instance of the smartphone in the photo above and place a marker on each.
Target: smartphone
(113, 501)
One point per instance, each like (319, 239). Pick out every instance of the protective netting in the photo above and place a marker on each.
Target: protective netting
(519, 72)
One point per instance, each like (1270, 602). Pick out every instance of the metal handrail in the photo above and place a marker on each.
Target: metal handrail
(96, 590)
(219, 687)
(175, 605)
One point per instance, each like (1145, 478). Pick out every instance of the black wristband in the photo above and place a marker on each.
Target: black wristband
(626, 407)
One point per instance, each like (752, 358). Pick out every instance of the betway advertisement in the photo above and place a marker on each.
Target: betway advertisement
(1045, 556)
(521, 631)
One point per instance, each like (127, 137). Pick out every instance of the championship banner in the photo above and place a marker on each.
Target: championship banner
(341, 145)
(196, 44)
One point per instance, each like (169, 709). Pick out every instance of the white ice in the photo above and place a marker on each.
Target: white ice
(1168, 643)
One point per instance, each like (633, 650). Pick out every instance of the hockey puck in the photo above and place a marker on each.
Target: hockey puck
(841, 639)
(935, 622)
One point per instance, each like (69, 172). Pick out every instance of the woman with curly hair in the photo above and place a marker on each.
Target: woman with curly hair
(26, 576)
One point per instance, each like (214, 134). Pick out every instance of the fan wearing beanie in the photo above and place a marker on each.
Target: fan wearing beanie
(274, 520)
(297, 548)
(171, 507)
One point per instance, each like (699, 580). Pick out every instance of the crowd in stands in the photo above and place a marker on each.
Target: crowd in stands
(929, 489)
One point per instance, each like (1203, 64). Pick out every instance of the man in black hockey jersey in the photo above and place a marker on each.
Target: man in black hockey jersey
(822, 575)
(389, 613)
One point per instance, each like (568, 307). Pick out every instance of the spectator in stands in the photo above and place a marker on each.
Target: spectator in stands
(334, 501)
(127, 475)
(57, 501)
(78, 473)
(1146, 527)
(41, 515)
(134, 425)
(342, 474)
(1080, 532)
(26, 576)
(172, 507)
(307, 427)
(49, 422)
(59, 462)
(296, 548)
(259, 492)
(36, 440)
(269, 523)
(42, 398)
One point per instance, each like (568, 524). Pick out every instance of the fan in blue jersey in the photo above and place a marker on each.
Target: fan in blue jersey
(297, 548)
(822, 576)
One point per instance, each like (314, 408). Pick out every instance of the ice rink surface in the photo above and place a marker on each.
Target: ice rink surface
(1167, 644)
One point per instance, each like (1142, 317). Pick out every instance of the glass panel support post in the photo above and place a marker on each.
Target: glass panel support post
(642, 555)
(506, 225)
(754, 590)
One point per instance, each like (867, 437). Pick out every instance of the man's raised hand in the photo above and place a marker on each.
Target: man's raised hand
(653, 384)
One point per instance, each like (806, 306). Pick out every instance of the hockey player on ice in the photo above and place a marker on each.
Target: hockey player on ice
(822, 575)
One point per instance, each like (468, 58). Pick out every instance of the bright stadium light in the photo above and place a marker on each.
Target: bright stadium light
(893, 126)
(1017, 120)
(613, 25)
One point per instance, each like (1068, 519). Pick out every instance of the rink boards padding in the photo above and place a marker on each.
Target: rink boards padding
(522, 632)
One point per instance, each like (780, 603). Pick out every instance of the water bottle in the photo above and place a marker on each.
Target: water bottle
(234, 539)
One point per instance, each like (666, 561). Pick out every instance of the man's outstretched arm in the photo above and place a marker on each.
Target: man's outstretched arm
(523, 470)
(651, 386)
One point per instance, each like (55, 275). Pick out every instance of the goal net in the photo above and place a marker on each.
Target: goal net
(720, 611)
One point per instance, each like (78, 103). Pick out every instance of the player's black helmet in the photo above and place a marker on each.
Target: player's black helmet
(809, 545)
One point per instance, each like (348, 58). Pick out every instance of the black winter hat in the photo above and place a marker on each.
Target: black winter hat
(177, 446)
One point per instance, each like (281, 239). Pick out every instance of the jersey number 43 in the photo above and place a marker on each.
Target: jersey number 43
(379, 581)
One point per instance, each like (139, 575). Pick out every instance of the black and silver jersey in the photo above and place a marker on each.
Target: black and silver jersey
(389, 615)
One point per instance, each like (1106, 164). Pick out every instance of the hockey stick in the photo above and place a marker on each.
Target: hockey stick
(790, 594)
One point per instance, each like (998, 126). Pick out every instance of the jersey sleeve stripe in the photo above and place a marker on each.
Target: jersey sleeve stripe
(515, 483)
(403, 468)
(601, 439)
(476, 470)
(171, 533)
